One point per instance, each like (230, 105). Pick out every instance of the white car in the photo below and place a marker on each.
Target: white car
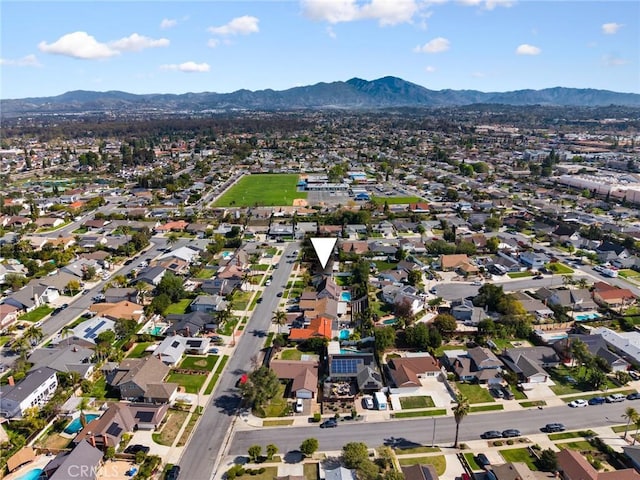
(578, 403)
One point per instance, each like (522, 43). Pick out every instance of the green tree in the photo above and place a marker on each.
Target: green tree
(385, 338)
(445, 323)
(459, 412)
(279, 318)
(88, 273)
(354, 453)
(254, 453)
(172, 239)
(492, 223)
(33, 335)
(110, 453)
(271, 451)
(73, 287)
(309, 446)
(414, 277)
(492, 244)
(261, 386)
(160, 303)
(172, 286)
(548, 461)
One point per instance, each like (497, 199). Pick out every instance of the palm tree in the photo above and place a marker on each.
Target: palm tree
(279, 318)
(459, 412)
(143, 288)
(583, 282)
(33, 334)
(66, 332)
(172, 239)
(630, 415)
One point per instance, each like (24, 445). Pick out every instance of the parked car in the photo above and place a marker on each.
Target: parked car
(331, 423)
(491, 434)
(615, 398)
(634, 374)
(214, 350)
(133, 449)
(596, 401)
(56, 311)
(497, 392)
(173, 473)
(634, 396)
(511, 432)
(367, 402)
(482, 460)
(299, 406)
(553, 427)
(578, 403)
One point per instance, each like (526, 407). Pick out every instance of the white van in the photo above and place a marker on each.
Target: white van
(367, 402)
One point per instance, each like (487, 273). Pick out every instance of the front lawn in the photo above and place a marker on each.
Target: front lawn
(269, 474)
(37, 314)
(199, 363)
(240, 300)
(178, 308)
(438, 461)
(580, 445)
(560, 268)
(578, 433)
(519, 274)
(475, 393)
(229, 326)
(519, 455)
(291, 354)
(471, 460)
(191, 383)
(420, 413)
(569, 381)
(485, 408)
(277, 407)
(171, 427)
(628, 273)
(416, 402)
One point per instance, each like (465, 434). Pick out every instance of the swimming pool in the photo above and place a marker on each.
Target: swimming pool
(390, 321)
(156, 331)
(31, 474)
(75, 425)
(344, 334)
(345, 296)
(587, 316)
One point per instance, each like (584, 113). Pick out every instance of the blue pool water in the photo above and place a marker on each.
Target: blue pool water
(588, 316)
(156, 331)
(390, 321)
(31, 474)
(345, 296)
(226, 254)
(75, 425)
(344, 334)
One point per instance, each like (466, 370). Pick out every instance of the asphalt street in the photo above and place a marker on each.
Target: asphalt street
(209, 440)
(420, 430)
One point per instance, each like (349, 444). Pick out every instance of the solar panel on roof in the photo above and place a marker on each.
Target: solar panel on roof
(175, 344)
(144, 416)
(345, 366)
(114, 429)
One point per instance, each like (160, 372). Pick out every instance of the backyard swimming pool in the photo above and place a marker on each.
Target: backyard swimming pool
(588, 316)
(344, 334)
(75, 425)
(31, 474)
(345, 296)
(390, 321)
(156, 331)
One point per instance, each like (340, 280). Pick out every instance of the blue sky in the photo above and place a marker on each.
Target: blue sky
(48, 48)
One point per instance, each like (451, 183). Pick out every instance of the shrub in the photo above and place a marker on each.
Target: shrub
(317, 417)
(463, 446)
(509, 442)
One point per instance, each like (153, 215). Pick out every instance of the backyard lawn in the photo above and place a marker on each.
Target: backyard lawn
(179, 307)
(191, 383)
(199, 363)
(416, 402)
(475, 393)
(519, 455)
(37, 314)
(265, 190)
(139, 350)
(291, 354)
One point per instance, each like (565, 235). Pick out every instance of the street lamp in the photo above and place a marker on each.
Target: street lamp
(433, 436)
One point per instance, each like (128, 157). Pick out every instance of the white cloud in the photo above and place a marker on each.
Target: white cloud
(136, 43)
(430, 69)
(78, 45)
(26, 61)
(244, 25)
(213, 43)
(386, 12)
(614, 61)
(487, 4)
(437, 45)
(331, 32)
(187, 67)
(611, 28)
(168, 23)
(526, 49)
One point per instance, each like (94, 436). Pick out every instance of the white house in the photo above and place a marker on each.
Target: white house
(35, 390)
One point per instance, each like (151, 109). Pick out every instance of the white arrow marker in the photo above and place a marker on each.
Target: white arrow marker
(323, 247)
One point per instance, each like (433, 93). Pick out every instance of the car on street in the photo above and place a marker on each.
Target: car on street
(538, 277)
(279, 294)
(553, 427)
(615, 398)
(511, 432)
(596, 401)
(173, 473)
(259, 300)
(634, 374)
(491, 434)
(482, 460)
(476, 283)
(634, 396)
(578, 403)
(331, 423)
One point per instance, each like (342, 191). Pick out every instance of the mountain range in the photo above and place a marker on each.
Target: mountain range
(353, 94)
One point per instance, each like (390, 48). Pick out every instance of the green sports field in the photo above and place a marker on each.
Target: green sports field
(262, 190)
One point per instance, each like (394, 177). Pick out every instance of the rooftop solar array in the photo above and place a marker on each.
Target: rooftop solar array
(90, 332)
(114, 429)
(345, 366)
(144, 416)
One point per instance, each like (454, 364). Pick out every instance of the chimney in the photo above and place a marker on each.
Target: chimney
(92, 440)
(11, 381)
(105, 440)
